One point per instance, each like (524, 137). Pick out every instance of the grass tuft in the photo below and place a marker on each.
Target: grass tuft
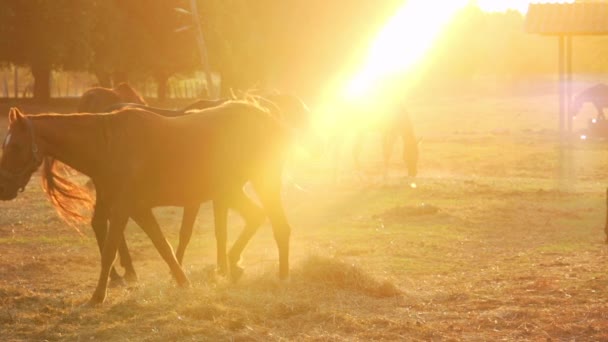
(341, 275)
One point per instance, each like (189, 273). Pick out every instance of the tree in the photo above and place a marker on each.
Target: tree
(46, 35)
(139, 37)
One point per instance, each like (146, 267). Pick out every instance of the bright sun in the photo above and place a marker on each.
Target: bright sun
(400, 47)
(518, 5)
(408, 35)
(402, 42)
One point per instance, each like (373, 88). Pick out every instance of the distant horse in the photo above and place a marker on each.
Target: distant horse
(391, 122)
(96, 100)
(597, 95)
(139, 160)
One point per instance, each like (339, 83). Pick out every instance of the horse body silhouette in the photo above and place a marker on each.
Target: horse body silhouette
(103, 100)
(391, 121)
(139, 160)
(290, 110)
(597, 95)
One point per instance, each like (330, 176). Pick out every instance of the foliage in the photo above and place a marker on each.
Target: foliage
(297, 45)
(46, 33)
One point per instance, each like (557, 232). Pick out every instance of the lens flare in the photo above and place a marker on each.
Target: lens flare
(517, 5)
(402, 43)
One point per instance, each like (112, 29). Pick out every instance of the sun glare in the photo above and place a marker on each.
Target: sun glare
(504, 5)
(397, 54)
(402, 43)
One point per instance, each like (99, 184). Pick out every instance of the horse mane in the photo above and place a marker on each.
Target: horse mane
(69, 199)
(128, 94)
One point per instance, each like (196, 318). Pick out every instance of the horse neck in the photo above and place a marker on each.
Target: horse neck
(72, 139)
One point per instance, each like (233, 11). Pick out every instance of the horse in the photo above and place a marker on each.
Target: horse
(139, 160)
(96, 100)
(391, 122)
(294, 113)
(103, 100)
(597, 95)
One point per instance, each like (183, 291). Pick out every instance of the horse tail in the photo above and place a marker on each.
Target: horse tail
(69, 199)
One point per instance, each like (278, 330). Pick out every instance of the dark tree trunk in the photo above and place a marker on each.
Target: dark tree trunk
(42, 82)
(161, 81)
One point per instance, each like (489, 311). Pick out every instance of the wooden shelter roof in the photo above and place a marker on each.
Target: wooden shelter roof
(579, 18)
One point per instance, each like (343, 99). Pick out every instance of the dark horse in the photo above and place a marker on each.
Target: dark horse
(97, 100)
(139, 160)
(391, 122)
(597, 95)
(293, 111)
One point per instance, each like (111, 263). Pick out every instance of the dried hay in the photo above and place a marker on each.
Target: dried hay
(341, 275)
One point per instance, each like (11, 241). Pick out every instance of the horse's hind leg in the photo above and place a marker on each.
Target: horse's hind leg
(146, 220)
(220, 214)
(253, 216)
(269, 192)
(388, 141)
(99, 222)
(118, 222)
(126, 262)
(185, 233)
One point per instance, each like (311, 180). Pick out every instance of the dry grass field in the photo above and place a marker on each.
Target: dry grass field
(489, 246)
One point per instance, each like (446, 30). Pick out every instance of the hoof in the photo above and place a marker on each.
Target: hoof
(94, 302)
(222, 271)
(131, 277)
(184, 283)
(236, 273)
(117, 282)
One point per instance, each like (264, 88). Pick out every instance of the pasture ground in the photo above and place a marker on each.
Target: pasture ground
(490, 245)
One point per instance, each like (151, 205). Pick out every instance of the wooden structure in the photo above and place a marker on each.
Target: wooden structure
(565, 21)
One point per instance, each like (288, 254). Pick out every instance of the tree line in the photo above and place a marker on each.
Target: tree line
(295, 44)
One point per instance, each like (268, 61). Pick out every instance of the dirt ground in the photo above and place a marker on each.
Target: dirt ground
(495, 242)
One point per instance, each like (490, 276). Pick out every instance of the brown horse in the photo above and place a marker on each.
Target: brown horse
(103, 100)
(96, 100)
(294, 113)
(139, 160)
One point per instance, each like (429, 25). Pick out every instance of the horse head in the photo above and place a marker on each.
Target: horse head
(20, 155)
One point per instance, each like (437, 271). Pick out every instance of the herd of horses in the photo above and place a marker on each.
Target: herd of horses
(140, 157)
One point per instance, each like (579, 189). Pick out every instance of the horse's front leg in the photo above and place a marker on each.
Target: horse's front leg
(146, 220)
(269, 192)
(388, 141)
(118, 221)
(253, 216)
(185, 232)
(99, 222)
(220, 214)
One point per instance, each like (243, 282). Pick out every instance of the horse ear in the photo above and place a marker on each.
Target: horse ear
(14, 114)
